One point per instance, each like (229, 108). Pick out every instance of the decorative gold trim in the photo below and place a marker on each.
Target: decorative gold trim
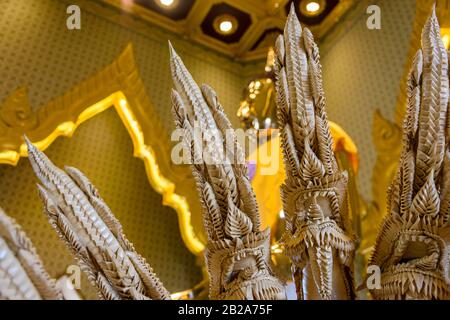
(120, 86)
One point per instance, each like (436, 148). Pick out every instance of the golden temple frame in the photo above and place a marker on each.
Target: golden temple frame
(118, 85)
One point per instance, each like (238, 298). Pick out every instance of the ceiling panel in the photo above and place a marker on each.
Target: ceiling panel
(243, 19)
(256, 23)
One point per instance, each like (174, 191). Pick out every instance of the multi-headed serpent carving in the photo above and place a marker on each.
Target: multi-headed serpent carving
(238, 254)
(413, 245)
(317, 237)
(22, 273)
(90, 230)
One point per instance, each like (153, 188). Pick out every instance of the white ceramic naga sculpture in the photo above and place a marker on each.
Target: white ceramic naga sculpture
(22, 273)
(90, 230)
(318, 236)
(238, 253)
(413, 245)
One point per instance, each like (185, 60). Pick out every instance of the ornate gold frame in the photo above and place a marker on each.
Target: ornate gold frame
(118, 85)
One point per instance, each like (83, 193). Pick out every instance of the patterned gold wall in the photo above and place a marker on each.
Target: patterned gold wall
(362, 72)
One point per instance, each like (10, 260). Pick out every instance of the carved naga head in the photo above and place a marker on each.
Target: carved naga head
(413, 246)
(245, 269)
(238, 253)
(317, 236)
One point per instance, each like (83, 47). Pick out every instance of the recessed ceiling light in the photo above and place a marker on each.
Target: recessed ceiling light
(166, 3)
(225, 24)
(312, 7)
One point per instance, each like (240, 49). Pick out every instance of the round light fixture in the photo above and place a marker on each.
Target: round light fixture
(166, 4)
(225, 24)
(312, 8)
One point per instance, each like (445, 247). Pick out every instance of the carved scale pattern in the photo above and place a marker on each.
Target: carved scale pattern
(22, 273)
(317, 238)
(237, 254)
(84, 221)
(412, 248)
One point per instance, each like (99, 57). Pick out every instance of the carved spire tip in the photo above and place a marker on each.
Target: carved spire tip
(31, 149)
(292, 17)
(172, 51)
(432, 19)
(177, 67)
(292, 8)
